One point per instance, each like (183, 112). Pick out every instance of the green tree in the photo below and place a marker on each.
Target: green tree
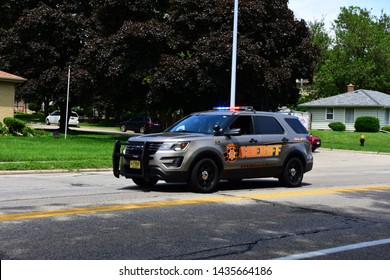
(40, 45)
(360, 54)
(273, 51)
(130, 38)
(157, 55)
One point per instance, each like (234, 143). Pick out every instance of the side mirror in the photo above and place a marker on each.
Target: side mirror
(217, 129)
(234, 132)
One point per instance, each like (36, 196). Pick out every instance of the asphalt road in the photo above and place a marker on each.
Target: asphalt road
(341, 212)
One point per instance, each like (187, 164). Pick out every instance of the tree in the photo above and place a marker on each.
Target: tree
(157, 55)
(130, 38)
(273, 51)
(40, 45)
(360, 54)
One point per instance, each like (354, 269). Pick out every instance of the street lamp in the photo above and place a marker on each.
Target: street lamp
(234, 57)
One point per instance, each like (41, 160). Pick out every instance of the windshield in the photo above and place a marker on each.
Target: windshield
(199, 124)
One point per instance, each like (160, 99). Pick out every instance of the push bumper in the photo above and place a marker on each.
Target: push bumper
(116, 158)
(121, 167)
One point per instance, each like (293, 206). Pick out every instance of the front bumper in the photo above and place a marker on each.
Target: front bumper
(136, 162)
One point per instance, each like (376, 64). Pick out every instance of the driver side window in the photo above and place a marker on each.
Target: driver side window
(244, 123)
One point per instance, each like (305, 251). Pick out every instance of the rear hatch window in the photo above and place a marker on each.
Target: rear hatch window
(296, 125)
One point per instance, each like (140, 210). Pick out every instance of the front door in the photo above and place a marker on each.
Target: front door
(240, 150)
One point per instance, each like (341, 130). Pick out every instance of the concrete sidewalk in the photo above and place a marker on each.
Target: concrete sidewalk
(103, 130)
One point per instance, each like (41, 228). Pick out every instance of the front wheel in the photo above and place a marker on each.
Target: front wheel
(204, 176)
(145, 183)
(292, 173)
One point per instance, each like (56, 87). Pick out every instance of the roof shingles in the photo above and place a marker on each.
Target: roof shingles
(357, 98)
(7, 77)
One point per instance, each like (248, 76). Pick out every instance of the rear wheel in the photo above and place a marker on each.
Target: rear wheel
(204, 176)
(123, 128)
(142, 129)
(145, 182)
(292, 173)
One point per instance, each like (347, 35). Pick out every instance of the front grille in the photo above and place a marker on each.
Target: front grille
(153, 147)
(138, 154)
(136, 149)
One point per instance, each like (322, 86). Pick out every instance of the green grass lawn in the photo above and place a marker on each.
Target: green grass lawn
(374, 142)
(90, 150)
(78, 151)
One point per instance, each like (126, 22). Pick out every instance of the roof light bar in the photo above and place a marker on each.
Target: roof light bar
(235, 108)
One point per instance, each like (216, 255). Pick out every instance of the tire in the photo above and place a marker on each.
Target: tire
(142, 129)
(145, 183)
(47, 122)
(123, 128)
(292, 173)
(204, 176)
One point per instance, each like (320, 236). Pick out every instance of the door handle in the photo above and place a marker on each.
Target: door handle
(285, 139)
(252, 141)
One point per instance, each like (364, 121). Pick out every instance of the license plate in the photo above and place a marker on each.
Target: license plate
(135, 164)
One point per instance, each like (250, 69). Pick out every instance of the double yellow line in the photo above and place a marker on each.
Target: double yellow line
(170, 203)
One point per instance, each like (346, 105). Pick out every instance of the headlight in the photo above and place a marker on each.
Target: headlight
(177, 146)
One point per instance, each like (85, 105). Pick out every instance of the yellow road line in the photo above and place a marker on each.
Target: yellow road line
(169, 203)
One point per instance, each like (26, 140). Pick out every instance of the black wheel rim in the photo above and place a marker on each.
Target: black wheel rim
(206, 175)
(294, 172)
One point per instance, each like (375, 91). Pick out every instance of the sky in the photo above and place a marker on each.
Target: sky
(328, 10)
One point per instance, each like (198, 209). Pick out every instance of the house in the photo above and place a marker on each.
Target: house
(346, 107)
(7, 93)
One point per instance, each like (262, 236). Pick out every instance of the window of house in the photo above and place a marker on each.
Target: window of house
(329, 113)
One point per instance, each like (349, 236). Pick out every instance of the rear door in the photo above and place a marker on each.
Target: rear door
(273, 140)
(135, 123)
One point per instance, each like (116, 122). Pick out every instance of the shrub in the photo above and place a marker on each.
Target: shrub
(34, 107)
(3, 129)
(337, 126)
(367, 124)
(15, 126)
(386, 128)
(28, 131)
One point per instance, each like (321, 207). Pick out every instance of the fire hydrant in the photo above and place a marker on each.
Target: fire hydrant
(362, 140)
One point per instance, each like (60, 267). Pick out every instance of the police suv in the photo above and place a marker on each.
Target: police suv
(222, 144)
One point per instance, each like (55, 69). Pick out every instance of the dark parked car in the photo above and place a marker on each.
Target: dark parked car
(315, 142)
(142, 124)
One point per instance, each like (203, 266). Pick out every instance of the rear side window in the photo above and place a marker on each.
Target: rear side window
(296, 125)
(267, 125)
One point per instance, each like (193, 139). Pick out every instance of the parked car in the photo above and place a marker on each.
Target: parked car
(222, 144)
(142, 124)
(315, 142)
(54, 118)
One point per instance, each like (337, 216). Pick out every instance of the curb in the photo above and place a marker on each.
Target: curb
(52, 171)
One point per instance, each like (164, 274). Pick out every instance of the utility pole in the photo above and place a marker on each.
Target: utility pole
(234, 57)
(67, 103)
